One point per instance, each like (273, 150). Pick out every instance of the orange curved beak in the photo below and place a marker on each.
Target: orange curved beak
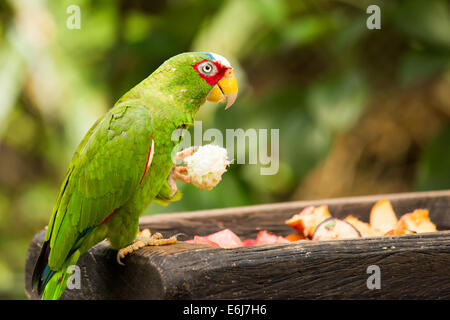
(225, 90)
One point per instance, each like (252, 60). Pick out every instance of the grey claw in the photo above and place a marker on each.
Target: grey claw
(118, 259)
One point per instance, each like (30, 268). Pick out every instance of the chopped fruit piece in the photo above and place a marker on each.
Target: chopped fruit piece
(395, 232)
(206, 166)
(225, 239)
(316, 223)
(417, 221)
(202, 240)
(297, 221)
(295, 237)
(249, 242)
(333, 228)
(363, 227)
(228, 239)
(382, 217)
(265, 237)
(308, 219)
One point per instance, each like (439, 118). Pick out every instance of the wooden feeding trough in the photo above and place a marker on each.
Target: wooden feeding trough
(415, 266)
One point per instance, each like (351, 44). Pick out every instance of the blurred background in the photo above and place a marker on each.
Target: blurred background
(359, 111)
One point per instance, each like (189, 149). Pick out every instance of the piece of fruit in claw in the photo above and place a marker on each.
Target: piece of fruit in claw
(308, 219)
(364, 228)
(383, 217)
(417, 221)
(333, 228)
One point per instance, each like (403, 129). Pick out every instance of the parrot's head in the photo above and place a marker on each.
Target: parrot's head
(217, 72)
(199, 76)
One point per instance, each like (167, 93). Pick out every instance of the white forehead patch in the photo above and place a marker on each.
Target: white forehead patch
(221, 59)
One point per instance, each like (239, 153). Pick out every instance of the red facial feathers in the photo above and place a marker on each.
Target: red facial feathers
(213, 79)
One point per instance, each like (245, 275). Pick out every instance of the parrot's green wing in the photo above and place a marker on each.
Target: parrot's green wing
(103, 175)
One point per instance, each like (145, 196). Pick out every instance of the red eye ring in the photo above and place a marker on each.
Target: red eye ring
(213, 78)
(207, 68)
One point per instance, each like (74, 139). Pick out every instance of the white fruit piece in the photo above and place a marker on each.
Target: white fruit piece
(207, 165)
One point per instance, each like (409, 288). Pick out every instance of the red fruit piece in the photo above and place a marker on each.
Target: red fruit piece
(295, 237)
(265, 237)
(248, 242)
(226, 239)
(202, 240)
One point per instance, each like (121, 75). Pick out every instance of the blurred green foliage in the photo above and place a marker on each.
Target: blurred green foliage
(310, 68)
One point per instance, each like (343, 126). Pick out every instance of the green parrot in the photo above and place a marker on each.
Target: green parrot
(124, 162)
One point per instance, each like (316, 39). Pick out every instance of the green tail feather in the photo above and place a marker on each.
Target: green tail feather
(58, 283)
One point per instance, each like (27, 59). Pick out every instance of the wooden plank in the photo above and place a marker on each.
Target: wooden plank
(412, 266)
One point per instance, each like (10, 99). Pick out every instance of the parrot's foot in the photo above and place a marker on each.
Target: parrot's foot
(186, 152)
(177, 173)
(143, 239)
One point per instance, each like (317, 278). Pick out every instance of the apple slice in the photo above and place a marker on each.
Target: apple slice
(417, 221)
(249, 242)
(225, 239)
(364, 228)
(265, 237)
(333, 228)
(382, 217)
(308, 219)
(295, 237)
(202, 240)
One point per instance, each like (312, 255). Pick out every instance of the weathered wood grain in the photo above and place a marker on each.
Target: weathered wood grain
(412, 266)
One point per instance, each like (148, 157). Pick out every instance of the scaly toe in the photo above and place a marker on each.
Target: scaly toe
(157, 236)
(186, 152)
(143, 239)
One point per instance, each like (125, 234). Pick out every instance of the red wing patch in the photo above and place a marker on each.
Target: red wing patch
(109, 217)
(149, 158)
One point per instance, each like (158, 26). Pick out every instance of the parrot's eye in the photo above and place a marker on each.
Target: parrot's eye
(208, 68)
